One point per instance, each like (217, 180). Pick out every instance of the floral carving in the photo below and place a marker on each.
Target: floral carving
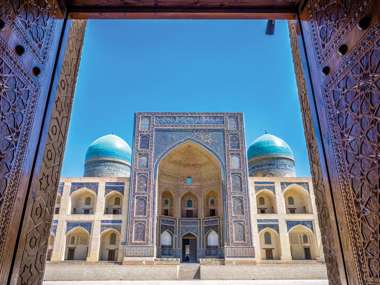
(41, 202)
(33, 22)
(329, 240)
(17, 100)
(354, 97)
(332, 19)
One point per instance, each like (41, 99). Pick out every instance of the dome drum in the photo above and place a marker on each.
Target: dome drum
(107, 168)
(280, 167)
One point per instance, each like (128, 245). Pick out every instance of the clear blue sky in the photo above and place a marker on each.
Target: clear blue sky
(198, 66)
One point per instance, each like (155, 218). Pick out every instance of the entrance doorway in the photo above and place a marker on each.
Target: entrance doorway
(307, 252)
(111, 255)
(71, 253)
(269, 253)
(189, 248)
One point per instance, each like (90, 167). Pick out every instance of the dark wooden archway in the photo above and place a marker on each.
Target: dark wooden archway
(336, 51)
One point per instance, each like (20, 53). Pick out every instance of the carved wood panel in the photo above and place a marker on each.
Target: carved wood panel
(29, 38)
(342, 40)
(31, 254)
(322, 190)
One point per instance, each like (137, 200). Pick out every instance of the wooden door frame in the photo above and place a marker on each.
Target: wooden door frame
(35, 190)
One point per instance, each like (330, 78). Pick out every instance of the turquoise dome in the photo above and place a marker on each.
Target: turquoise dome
(269, 145)
(109, 146)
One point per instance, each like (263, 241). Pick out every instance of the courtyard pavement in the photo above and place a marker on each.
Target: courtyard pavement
(193, 282)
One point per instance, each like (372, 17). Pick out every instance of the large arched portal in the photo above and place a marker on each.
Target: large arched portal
(189, 185)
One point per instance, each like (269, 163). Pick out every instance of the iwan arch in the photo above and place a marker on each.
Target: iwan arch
(185, 165)
(198, 200)
(336, 54)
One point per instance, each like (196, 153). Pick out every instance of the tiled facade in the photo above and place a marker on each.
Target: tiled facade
(91, 224)
(104, 218)
(192, 195)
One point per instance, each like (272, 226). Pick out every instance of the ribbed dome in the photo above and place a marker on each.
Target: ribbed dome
(269, 145)
(109, 146)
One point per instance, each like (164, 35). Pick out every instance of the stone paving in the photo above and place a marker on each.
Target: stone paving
(102, 272)
(193, 282)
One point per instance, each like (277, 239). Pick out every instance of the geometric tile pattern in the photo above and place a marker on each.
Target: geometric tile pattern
(163, 131)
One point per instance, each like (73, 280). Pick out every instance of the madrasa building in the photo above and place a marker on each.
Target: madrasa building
(188, 191)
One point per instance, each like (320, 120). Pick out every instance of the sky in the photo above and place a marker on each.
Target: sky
(130, 66)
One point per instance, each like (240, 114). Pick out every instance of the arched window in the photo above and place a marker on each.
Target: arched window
(143, 161)
(87, 201)
(72, 240)
(267, 238)
(290, 200)
(144, 123)
(117, 201)
(189, 180)
(212, 202)
(189, 203)
(235, 162)
(212, 239)
(305, 239)
(113, 239)
(166, 239)
(261, 201)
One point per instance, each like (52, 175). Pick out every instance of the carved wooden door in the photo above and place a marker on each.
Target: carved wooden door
(339, 47)
(35, 104)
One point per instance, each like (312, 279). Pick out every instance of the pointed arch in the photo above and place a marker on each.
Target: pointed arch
(113, 203)
(77, 243)
(302, 248)
(297, 199)
(185, 142)
(270, 244)
(82, 201)
(109, 245)
(212, 239)
(166, 238)
(266, 202)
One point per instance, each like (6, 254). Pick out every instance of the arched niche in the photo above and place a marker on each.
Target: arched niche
(212, 239)
(211, 202)
(109, 245)
(77, 244)
(302, 243)
(113, 203)
(266, 202)
(270, 245)
(190, 169)
(189, 205)
(167, 204)
(297, 200)
(83, 201)
(166, 243)
(212, 243)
